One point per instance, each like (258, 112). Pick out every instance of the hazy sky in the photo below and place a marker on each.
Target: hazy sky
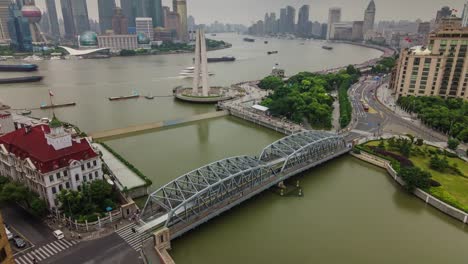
(246, 11)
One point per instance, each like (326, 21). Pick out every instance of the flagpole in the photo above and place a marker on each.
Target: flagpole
(51, 103)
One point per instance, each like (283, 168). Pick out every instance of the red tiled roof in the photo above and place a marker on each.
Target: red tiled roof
(34, 145)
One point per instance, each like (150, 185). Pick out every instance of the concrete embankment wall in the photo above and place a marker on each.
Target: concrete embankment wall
(154, 126)
(429, 199)
(259, 122)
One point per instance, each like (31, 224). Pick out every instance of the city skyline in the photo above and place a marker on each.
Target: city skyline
(234, 12)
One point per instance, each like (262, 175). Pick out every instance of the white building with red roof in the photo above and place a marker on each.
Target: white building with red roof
(48, 158)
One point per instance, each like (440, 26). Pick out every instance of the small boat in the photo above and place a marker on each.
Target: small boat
(272, 52)
(266, 42)
(327, 47)
(57, 105)
(249, 40)
(222, 59)
(116, 98)
(214, 35)
(25, 112)
(18, 68)
(21, 79)
(149, 97)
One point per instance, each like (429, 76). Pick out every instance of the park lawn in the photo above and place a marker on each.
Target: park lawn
(454, 189)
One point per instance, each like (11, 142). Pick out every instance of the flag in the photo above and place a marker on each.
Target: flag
(51, 93)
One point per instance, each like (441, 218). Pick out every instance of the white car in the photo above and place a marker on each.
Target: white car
(58, 234)
(9, 234)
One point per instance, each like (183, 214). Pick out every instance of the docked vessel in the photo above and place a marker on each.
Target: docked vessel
(57, 105)
(21, 79)
(272, 52)
(117, 98)
(18, 67)
(327, 47)
(25, 112)
(249, 40)
(224, 58)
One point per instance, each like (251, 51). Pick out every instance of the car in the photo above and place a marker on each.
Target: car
(58, 234)
(19, 242)
(9, 234)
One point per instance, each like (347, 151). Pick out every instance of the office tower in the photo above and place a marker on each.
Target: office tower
(191, 23)
(303, 21)
(155, 11)
(106, 11)
(180, 6)
(438, 70)
(18, 28)
(172, 23)
(119, 22)
(369, 18)
(424, 28)
(465, 15)
(45, 23)
(75, 16)
(282, 20)
(443, 12)
(357, 31)
(129, 11)
(4, 14)
(144, 25)
(290, 19)
(53, 19)
(334, 16)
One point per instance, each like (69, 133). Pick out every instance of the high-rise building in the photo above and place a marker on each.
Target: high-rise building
(282, 20)
(172, 23)
(18, 28)
(191, 23)
(129, 10)
(53, 19)
(443, 12)
(119, 22)
(334, 16)
(4, 14)
(438, 70)
(180, 6)
(424, 28)
(155, 11)
(45, 23)
(106, 12)
(303, 22)
(465, 15)
(75, 16)
(357, 31)
(145, 25)
(369, 18)
(290, 19)
(6, 255)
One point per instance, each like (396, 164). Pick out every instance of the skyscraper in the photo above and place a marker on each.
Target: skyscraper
(369, 18)
(155, 11)
(18, 28)
(465, 15)
(334, 16)
(75, 16)
(68, 21)
(4, 14)
(303, 21)
(282, 20)
(53, 20)
(145, 25)
(180, 6)
(290, 19)
(106, 11)
(129, 10)
(119, 22)
(443, 12)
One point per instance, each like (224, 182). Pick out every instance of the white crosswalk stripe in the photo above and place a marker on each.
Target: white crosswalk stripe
(45, 251)
(132, 238)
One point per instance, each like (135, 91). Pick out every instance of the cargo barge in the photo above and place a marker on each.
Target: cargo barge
(18, 67)
(21, 79)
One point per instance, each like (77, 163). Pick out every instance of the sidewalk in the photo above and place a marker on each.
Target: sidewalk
(71, 234)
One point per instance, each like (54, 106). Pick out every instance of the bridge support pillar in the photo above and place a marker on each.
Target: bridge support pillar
(162, 243)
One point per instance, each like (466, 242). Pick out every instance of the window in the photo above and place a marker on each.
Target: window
(90, 177)
(77, 177)
(60, 187)
(96, 174)
(51, 178)
(88, 164)
(54, 191)
(65, 173)
(82, 167)
(94, 163)
(84, 178)
(58, 175)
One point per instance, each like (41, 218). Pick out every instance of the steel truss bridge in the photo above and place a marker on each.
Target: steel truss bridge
(206, 192)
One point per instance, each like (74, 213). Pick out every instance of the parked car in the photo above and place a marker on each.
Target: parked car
(19, 242)
(58, 234)
(9, 234)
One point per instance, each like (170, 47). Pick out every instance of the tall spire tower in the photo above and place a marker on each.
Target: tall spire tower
(201, 65)
(369, 18)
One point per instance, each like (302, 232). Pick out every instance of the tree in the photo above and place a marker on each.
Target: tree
(453, 144)
(99, 191)
(419, 142)
(438, 164)
(38, 207)
(414, 178)
(271, 83)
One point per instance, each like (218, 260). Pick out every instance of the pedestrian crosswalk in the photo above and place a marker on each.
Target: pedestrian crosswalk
(36, 255)
(134, 239)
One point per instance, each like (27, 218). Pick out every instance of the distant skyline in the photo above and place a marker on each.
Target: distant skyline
(247, 11)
